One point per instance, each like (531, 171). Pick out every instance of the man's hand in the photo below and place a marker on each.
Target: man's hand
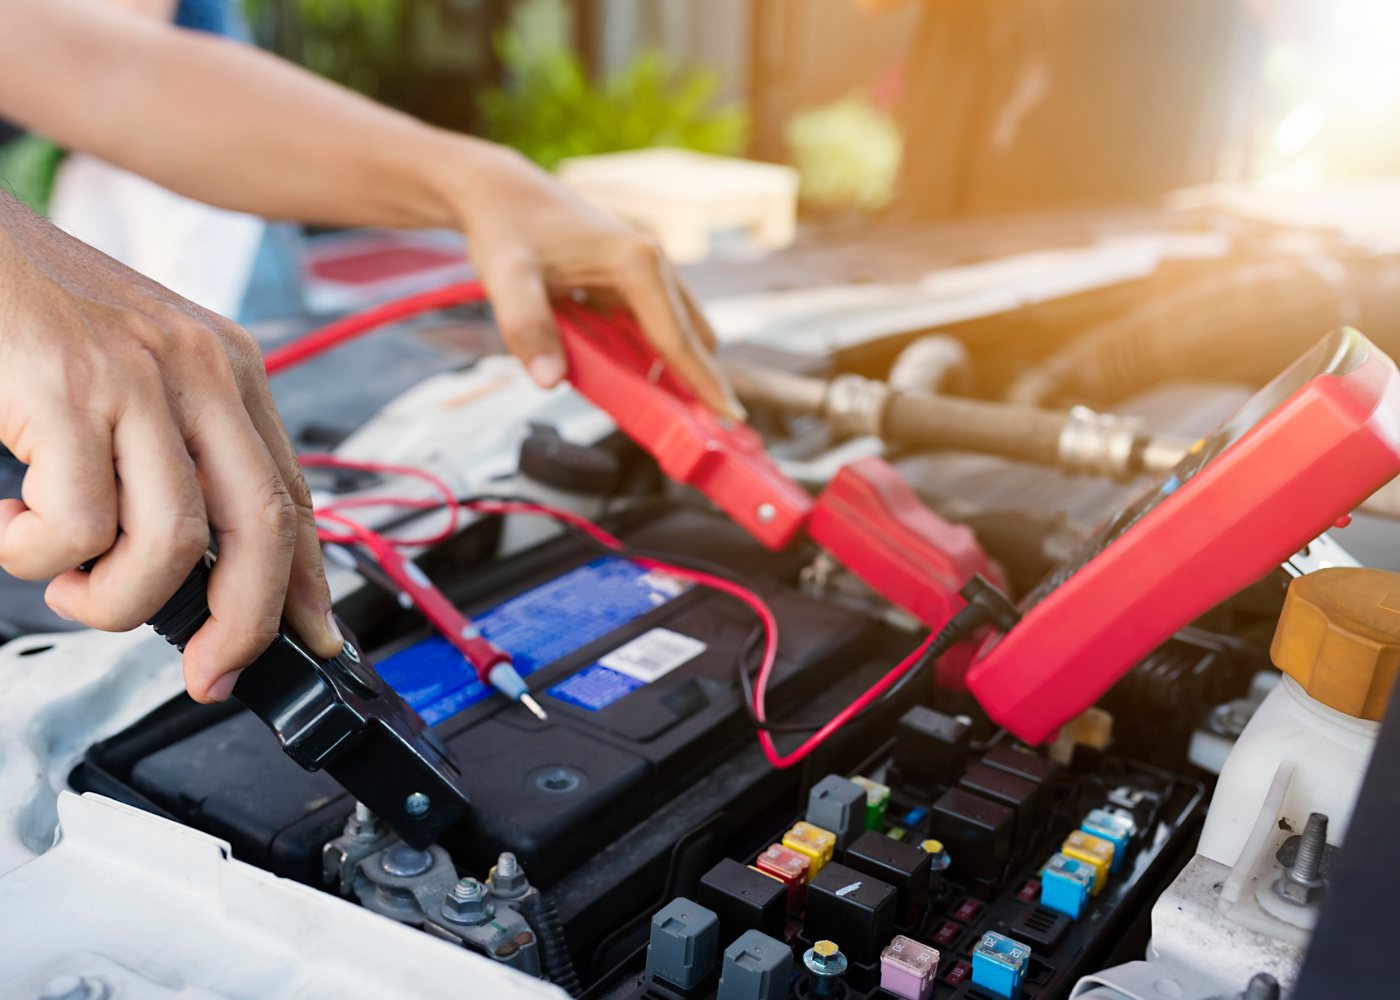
(146, 421)
(530, 238)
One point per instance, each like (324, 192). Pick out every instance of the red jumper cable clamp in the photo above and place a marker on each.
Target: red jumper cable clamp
(869, 518)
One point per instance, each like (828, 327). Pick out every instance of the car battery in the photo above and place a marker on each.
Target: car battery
(637, 670)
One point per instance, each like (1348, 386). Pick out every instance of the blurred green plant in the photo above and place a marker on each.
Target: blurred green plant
(28, 166)
(549, 110)
(847, 155)
(359, 43)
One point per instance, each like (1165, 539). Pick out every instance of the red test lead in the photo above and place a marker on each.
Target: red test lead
(492, 664)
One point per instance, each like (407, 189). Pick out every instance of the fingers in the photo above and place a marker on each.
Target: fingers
(698, 321)
(256, 523)
(525, 318)
(164, 528)
(651, 289)
(68, 514)
(308, 604)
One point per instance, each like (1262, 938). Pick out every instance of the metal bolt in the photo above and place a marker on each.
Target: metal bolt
(363, 825)
(1261, 987)
(468, 889)
(826, 965)
(1302, 882)
(1308, 865)
(508, 878)
(417, 805)
(403, 861)
(766, 512)
(466, 903)
(938, 855)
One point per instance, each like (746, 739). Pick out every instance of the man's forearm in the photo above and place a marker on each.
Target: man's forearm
(222, 122)
(237, 128)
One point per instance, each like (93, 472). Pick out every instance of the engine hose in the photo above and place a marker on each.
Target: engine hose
(1077, 440)
(1246, 323)
(555, 960)
(923, 421)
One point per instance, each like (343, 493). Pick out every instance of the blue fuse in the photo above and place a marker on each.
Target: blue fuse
(914, 817)
(1065, 884)
(1114, 827)
(999, 964)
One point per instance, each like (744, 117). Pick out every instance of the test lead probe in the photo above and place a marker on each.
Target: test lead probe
(492, 664)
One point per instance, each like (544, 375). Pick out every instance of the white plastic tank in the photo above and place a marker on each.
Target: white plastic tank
(1330, 750)
(1338, 645)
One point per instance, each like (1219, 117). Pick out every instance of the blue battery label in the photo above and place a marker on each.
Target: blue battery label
(595, 687)
(650, 656)
(537, 628)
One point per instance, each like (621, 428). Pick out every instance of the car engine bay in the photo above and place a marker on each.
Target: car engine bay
(1025, 817)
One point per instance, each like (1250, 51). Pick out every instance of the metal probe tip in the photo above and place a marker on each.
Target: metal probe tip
(529, 702)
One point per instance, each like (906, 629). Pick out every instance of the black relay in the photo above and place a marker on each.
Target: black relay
(901, 865)
(852, 908)
(743, 899)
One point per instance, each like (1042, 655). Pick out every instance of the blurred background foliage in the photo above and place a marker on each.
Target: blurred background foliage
(525, 84)
(847, 154)
(28, 165)
(549, 109)
(359, 43)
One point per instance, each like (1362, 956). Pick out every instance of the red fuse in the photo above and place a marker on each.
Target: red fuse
(947, 934)
(958, 973)
(967, 911)
(787, 866)
(1029, 892)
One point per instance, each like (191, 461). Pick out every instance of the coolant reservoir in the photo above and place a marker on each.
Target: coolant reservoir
(1338, 643)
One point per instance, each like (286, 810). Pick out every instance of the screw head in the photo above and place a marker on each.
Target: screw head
(1262, 986)
(417, 805)
(824, 959)
(766, 512)
(938, 855)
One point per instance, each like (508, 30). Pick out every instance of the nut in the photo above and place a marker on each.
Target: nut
(508, 878)
(1304, 894)
(466, 903)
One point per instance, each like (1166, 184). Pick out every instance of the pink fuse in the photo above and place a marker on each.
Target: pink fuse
(908, 968)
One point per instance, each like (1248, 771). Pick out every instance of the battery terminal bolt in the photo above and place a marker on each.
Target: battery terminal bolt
(507, 879)
(467, 904)
(363, 825)
(403, 861)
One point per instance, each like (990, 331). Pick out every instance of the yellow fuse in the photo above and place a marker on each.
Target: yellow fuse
(1093, 850)
(813, 841)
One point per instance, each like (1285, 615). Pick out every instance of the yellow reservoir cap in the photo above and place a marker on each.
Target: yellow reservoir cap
(1339, 637)
(1095, 851)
